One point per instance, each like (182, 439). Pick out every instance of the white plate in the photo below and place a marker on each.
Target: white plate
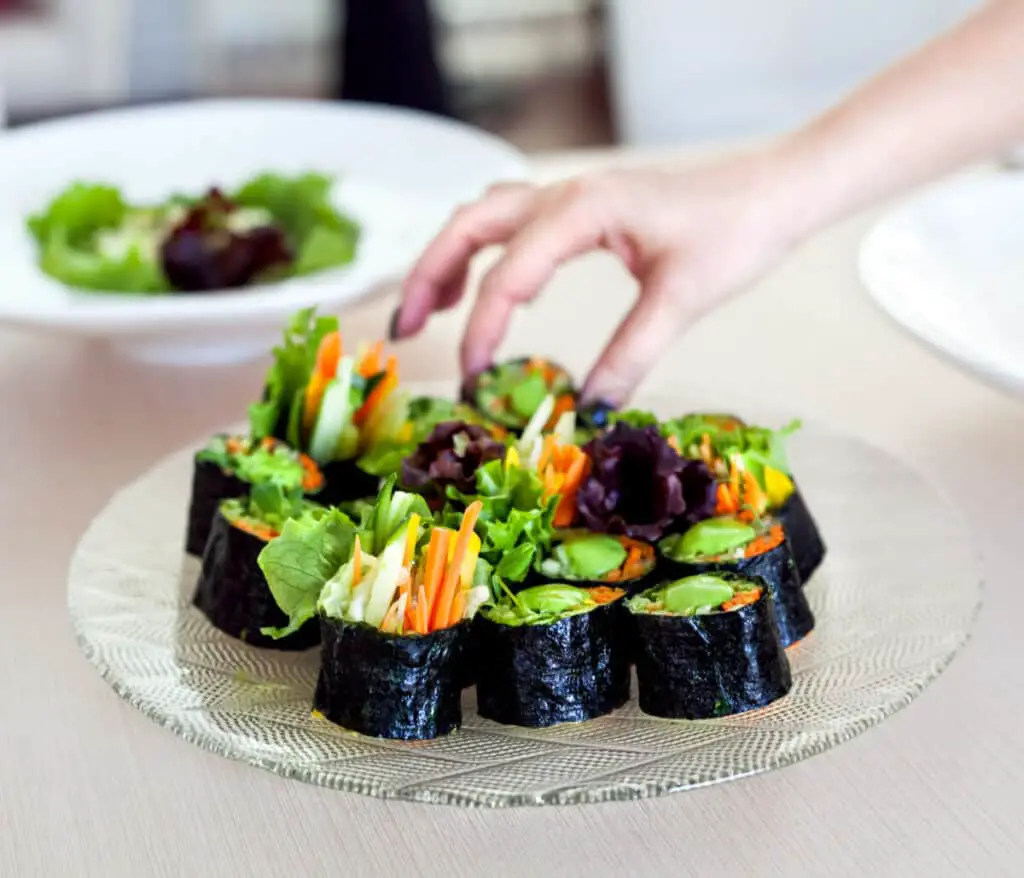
(949, 266)
(400, 175)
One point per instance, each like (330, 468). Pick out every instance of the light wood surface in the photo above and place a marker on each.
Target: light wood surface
(89, 786)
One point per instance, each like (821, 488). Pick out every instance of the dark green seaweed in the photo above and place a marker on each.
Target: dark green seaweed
(210, 485)
(699, 667)
(390, 686)
(778, 569)
(233, 593)
(804, 536)
(571, 670)
(344, 481)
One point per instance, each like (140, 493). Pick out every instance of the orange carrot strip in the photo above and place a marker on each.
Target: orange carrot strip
(314, 396)
(370, 363)
(673, 443)
(327, 355)
(260, 531)
(604, 595)
(443, 608)
(545, 455)
(422, 617)
(391, 617)
(434, 567)
(458, 607)
(564, 403)
(725, 501)
(742, 598)
(357, 563)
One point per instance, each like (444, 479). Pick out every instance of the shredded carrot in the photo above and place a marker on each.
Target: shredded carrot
(370, 363)
(328, 354)
(564, 403)
(387, 385)
(312, 478)
(765, 542)
(726, 502)
(405, 589)
(390, 620)
(260, 531)
(314, 397)
(357, 563)
(604, 595)
(458, 607)
(422, 614)
(442, 610)
(742, 598)
(638, 561)
(434, 566)
(547, 449)
(706, 453)
(234, 445)
(268, 443)
(673, 443)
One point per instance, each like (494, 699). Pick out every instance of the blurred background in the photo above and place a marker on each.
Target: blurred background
(546, 74)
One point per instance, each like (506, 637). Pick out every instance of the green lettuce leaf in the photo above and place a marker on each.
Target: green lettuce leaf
(298, 563)
(279, 412)
(79, 212)
(514, 524)
(321, 236)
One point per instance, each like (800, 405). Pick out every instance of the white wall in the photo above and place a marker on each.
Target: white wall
(685, 69)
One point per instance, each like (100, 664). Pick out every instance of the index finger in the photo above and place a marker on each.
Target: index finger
(491, 220)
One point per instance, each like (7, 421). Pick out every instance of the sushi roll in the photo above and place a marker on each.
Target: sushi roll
(733, 545)
(707, 646)
(551, 654)
(751, 465)
(804, 537)
(393, 599)
(232, 591)
(510, 393)
(331, 405)
(229, 466)
(582, 558)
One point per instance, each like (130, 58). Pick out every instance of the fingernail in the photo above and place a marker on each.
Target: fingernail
(596, 413)
(393, 334)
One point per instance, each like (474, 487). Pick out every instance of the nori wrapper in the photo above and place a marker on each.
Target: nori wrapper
(804, 536)
(699, 667)
(233, 593)
(571, 670)
(778, 569)
(388, 685)
(210, 485)
(344, 481)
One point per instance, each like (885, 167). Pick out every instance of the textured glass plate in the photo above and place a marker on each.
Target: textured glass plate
(895, 600)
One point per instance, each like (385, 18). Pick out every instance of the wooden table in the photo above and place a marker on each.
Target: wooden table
(89, 786)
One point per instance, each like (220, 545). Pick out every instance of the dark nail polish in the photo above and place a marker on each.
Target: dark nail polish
(596, 414)
(393, 325)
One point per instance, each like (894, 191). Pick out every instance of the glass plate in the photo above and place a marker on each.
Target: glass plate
(894, 601)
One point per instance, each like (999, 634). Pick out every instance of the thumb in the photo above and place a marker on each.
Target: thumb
(658, 318)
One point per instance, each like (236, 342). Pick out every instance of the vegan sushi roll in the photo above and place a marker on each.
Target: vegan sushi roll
(583, 558)
(748, 549)
(752, 467)
(232, 591)
(510, 393)
(551, 654)
(229, 466)
(707, 646)
(330, 405)
(393, 598)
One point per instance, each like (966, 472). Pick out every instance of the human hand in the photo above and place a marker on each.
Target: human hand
(690, 238)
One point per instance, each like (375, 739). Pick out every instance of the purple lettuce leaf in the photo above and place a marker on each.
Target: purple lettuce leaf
(639, 486)
(450, 455)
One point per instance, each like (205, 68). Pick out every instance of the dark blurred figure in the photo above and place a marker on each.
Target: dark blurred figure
(389, 55)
